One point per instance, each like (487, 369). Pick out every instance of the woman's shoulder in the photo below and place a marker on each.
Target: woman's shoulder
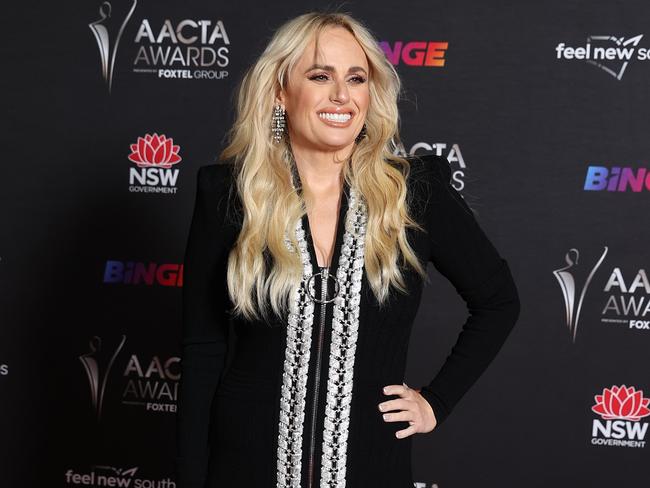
(430, 169)
(219, 174)
(432, 195)
(216, 183)
(428, 178)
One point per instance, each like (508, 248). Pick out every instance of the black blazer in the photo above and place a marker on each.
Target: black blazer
(230, 422)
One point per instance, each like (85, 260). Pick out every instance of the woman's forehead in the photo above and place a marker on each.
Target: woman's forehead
(336, 49)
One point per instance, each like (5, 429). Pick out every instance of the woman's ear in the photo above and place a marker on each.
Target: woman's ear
(280, 98)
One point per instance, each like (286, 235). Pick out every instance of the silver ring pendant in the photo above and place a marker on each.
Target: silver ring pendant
(311, 288)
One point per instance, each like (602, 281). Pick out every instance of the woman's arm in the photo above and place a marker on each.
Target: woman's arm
(205, 322)
(460, 251)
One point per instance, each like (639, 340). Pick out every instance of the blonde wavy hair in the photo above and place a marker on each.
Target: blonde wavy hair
(271, 205)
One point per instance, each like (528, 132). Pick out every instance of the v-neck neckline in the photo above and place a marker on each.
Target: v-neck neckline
(338, 241)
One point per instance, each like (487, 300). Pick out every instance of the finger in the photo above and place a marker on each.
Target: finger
(395, 389)
(401, 416)
(410, 430)
(397, 404)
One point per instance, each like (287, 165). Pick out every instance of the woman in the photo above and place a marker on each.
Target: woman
(304, 268)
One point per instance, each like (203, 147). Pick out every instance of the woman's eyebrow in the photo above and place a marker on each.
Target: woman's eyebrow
(327, 67)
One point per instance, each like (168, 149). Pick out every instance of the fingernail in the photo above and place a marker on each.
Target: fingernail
(386, 416)
(384, 389)
(381, 407)
(397, 434)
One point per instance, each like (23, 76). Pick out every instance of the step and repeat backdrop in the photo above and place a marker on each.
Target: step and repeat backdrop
(541, 109)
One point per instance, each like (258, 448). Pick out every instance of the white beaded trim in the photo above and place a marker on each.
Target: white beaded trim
(294, 377)
(345, 323)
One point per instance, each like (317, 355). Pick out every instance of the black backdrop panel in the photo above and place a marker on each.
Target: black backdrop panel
(541, 110)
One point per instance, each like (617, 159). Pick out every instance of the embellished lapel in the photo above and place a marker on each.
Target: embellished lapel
(347, 267)
(345, 326)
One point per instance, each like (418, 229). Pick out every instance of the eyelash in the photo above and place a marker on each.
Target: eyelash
(360, 78)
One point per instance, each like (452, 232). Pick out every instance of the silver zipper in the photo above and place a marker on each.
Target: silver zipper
(323, 310)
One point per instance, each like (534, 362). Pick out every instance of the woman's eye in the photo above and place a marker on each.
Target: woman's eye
(357, 79)
(316, 77)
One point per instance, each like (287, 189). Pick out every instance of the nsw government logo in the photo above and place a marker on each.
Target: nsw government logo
(154, 155)
(621, 409)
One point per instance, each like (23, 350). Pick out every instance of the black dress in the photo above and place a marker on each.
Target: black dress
(248, 413)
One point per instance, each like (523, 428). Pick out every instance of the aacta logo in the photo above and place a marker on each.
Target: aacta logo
(108, 30)
(610, 53)
(620, 408)
(415, 53)
(97, 363)
(154, 156)
(628, 303)
(574, 287)
(148, 382)
(188, 49)
(152, 385)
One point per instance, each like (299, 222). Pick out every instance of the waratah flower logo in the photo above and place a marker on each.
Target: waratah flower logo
(619, 402)
(155, 150)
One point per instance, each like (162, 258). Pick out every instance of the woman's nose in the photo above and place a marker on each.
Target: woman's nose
(340, 92)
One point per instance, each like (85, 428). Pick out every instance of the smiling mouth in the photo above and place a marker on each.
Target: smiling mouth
(334, 117)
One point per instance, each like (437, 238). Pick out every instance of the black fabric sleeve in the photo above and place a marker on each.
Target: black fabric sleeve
(463, 254)
(204, 323)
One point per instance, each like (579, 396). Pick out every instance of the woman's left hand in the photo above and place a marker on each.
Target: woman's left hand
(412, 408)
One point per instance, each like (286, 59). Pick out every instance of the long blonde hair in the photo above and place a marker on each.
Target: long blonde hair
(271, 205)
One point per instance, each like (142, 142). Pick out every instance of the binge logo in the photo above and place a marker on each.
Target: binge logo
(620, 409)
(154, 156)
(601, 178)
(415, 53)
(136, 273)
(610, 53)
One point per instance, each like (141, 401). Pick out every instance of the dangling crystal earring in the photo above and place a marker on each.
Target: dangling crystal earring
(362, 134)
(278, 123)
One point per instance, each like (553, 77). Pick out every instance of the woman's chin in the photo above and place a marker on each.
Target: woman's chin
(336, 142)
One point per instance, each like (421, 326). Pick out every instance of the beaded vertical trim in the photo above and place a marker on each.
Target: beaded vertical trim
(345, 325)
(297, 353)
(294, 377)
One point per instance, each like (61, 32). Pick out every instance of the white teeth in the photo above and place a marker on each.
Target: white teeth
(335, 117)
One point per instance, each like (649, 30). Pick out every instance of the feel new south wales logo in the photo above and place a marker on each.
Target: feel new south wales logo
(611, 53)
